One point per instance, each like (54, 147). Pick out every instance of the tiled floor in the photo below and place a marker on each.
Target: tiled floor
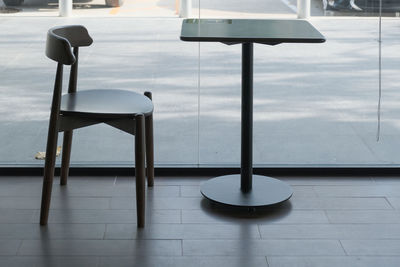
(329, 221)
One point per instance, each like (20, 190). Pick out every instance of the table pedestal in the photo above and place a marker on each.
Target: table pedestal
(226, 190)
(263, 191)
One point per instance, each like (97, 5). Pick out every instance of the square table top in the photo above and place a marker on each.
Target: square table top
(264, 31)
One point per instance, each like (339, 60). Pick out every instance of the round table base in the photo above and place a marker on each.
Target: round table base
(266, 191)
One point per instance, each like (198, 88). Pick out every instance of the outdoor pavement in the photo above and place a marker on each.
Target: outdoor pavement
(169, 8)
(314, 104)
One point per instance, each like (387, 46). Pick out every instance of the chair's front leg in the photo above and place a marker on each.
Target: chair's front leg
(140, 168)
(50, 161)
(51, 147)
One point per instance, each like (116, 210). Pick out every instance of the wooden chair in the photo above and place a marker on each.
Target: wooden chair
(128, 111)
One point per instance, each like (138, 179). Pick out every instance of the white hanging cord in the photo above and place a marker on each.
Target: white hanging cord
(198, 96)
(198, 108)
(378, 132)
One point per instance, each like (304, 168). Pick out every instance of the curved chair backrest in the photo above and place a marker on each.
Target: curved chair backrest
(60, 41)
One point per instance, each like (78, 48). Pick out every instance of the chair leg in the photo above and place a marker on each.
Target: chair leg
(149, 146)
(140, 169)
(66, 155)
(149, 150)
(48, 171)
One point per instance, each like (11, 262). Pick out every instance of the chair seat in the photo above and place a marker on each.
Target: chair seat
(105, 103)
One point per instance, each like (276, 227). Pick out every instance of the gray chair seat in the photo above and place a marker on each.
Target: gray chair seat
(104, 103)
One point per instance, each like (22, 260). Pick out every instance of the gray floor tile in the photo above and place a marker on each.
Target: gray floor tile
(303, 191)
(223, 216)
(100, 247)
(377, 190)
(163, 191)
(61, 202)
(180, 181)
(300, 191)
(51, 231)
(109, 216)
(17, 230)
(88, 181)
(261, 248)
(20, 189)
(76, 203)
(163, 216)
(181, 231)
(395, 202)
(93, 190)
(164, 203)
(190, 191)
(48, 261)
(328, 180)
(68, 231)
(9, 247)
(16, 216)
(183, 261)
(77, 187)
(90, 216)
(341, 203)
(118, 190)
(363, 216)
(122, 189)
(123, 203)
(347, 261)
(331, 231)
(387, 180)
(372, 247)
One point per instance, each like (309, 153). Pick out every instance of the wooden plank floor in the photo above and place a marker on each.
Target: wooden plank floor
(329, 221)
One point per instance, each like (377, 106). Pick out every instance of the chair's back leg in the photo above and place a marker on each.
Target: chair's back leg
(140, 169)
(149, 146)
(66, 155)
(149, 150)
(73, 75)
(51, 148)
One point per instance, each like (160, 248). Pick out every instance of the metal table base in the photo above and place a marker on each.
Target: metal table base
(226, 190)
(246, 189)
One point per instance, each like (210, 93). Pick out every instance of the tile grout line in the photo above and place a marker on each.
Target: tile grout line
(390, 204)
(266, 260)
(19, 248)
(105, 231)
(98, 261)
(315, 191)
(182, 247)
(344, 250)
(259, 231)
(327, 217)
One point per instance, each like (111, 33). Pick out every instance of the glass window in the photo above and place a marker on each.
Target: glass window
(314, 104)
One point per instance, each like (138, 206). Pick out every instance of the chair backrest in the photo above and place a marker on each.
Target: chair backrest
(60, 41)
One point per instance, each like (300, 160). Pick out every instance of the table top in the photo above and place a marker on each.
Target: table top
(264, 31)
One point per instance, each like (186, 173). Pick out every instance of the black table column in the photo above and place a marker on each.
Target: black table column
(246, 166)
(226, 189)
